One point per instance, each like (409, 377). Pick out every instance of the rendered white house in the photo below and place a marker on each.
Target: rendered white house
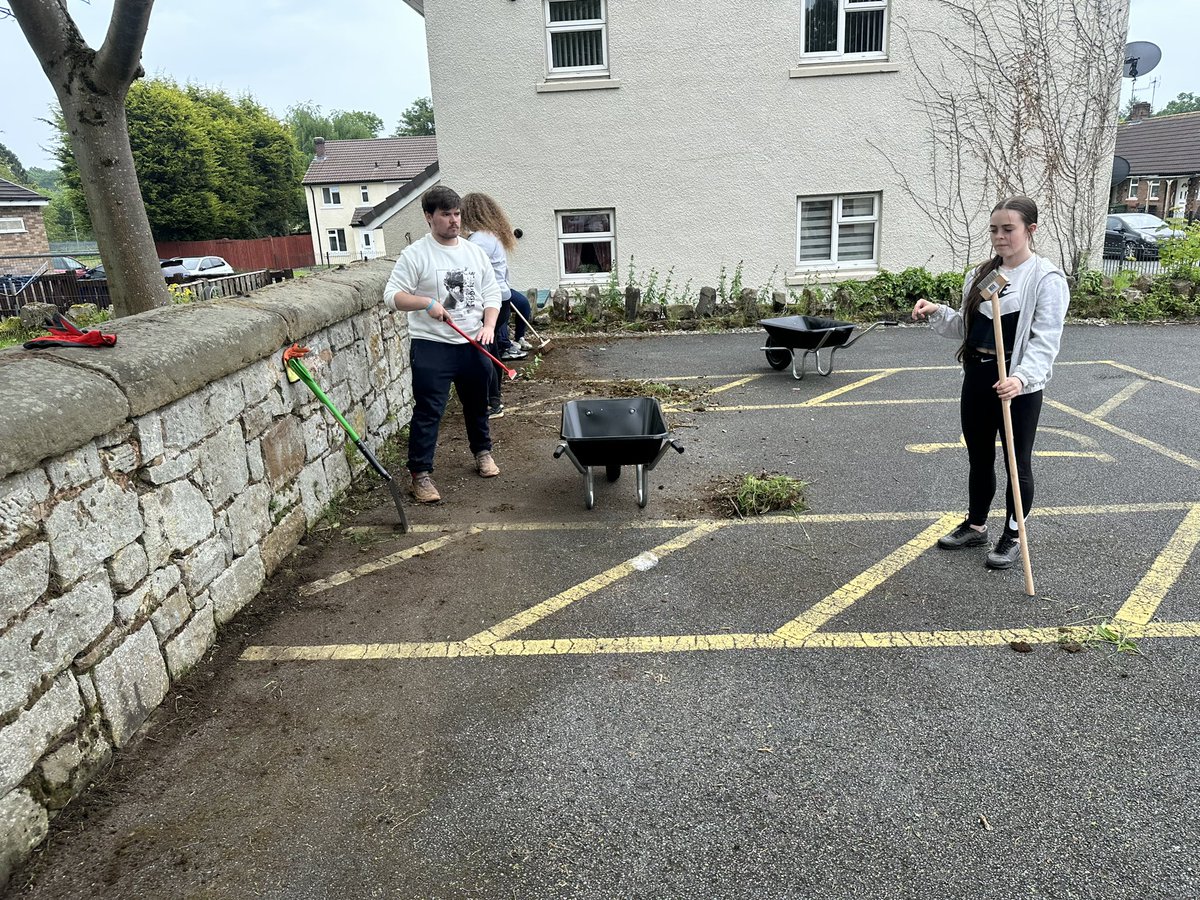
(359, 195)
(691, 136)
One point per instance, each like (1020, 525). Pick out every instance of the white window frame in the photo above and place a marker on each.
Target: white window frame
(364, 191)
(1134, 185)
(6, 225)
(839, 54)
(335, 242)
(585, 237)
(1153, 192)
(332, 196)
(553, 28)
(840, 219)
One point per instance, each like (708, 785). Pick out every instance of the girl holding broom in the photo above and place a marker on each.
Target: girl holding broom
(1033, 305)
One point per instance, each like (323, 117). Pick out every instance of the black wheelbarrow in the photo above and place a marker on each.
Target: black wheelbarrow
(614, 433)
(812, 334)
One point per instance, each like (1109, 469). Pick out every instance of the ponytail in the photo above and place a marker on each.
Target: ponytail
(970, 307)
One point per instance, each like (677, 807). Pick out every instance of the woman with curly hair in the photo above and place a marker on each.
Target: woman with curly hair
(488, 226)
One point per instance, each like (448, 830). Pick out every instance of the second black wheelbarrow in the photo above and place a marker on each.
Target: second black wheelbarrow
(811, 334)
(612, 433)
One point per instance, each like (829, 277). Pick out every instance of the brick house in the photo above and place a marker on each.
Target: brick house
(1164, 165)
(22, 223)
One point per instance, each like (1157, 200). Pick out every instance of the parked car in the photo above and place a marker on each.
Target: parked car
(1135, 236)
(96, 273)
(207, 266)
(173, 269)
(60, 265)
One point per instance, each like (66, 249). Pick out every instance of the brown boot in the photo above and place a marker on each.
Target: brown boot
(485, 465)
(423, 489)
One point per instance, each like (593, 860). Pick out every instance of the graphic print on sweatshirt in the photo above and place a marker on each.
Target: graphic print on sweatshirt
(458, 292)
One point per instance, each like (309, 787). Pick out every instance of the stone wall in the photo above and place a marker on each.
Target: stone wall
(146, 493)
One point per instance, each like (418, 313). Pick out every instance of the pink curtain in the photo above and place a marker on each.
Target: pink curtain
(603, 255)
(572, 254)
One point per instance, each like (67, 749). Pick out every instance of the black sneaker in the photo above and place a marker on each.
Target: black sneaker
(496, 412)
(1006, 552)
(963, 536)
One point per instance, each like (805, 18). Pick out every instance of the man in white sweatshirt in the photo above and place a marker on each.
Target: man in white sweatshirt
(444, 277)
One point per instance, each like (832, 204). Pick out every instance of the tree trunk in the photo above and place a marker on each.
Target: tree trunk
(100, 142)
(91, 87)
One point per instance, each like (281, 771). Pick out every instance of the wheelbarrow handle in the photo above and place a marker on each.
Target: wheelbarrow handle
(869, 329)
(678, 446)
(560, 450)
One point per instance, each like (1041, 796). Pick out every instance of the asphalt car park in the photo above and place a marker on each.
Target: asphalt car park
(525, 698)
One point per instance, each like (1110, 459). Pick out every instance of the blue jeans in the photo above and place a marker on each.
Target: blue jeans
(435, 366)
(521, 302)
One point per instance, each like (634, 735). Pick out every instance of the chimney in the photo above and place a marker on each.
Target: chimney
(1140, 110)
(319, 146)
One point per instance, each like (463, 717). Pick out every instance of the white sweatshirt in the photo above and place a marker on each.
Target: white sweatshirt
(459, 277)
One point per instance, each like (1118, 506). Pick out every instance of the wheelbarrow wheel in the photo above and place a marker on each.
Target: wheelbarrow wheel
(777, 359)
(612, 472)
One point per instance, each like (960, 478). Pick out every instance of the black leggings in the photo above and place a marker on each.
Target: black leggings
(982, 420)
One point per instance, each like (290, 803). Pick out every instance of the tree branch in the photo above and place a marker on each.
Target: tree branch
(119, 59)
(49, 29)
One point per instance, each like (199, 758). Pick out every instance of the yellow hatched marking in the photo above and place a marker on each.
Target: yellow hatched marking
(1128, 435)
(324, 584)
(732, 385)
(845, 389)
(808, 404)
(484, 640)
(1167, 567)
(704, 643)
(1081, 439)
(1117, 399)
(846, 596)
(1140, 374)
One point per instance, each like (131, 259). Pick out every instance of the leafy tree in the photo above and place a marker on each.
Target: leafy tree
(48, 180)
(11, 165)
(209, 166)
(1185, 102)
(306, 122)
(91, 86)
(417, 119)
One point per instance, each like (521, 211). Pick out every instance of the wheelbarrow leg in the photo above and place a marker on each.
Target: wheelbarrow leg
(642, 493)
(589, 488)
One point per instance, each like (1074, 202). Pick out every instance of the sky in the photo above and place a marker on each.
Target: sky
(367, 55)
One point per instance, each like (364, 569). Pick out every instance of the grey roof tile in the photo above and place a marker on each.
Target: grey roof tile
(11, 192)
(382, 159)
(1161, 145)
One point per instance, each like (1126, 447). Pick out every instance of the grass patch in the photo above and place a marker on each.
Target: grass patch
(1116, 637)
(757, 495)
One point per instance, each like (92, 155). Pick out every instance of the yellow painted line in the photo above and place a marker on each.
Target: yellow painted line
(683, 643)
(324, 584)
(1117, 399)
(789, 519)
(808, 404)
(1081, 439)
(1142, 604)
(732, 385)
(1128, 435)
(1149, 377)
(701, 643)
(485, 639)
(845, 389)
(846, 596)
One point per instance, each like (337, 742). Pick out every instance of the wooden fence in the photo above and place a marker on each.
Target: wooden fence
(292, 252)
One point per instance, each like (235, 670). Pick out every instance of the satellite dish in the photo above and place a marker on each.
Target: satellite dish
(1140, 57)
(1120, 169)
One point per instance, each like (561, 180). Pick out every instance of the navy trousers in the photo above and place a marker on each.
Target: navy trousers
(436, 366)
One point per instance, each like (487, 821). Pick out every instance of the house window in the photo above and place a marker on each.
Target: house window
(838, 232)
(1154, 190)
(586, 244)
(14, 225)
(364, 193)
(576, 37)
(1133, 189)
(332, 196)
(337, 240)
(843, 29)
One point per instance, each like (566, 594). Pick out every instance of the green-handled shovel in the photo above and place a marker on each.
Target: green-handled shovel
(292, 361)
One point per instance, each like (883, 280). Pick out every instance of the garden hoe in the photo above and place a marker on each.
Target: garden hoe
(296, 371)
(545, 341)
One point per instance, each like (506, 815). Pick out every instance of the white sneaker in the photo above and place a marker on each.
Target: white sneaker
(525, 345)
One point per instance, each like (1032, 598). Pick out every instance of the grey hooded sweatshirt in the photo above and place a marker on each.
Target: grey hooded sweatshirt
(1044, 297)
